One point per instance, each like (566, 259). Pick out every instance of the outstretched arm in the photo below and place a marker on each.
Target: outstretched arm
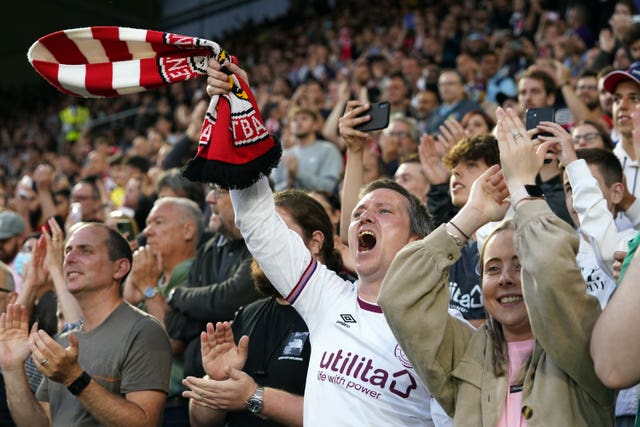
(617, 365)
(353, 173)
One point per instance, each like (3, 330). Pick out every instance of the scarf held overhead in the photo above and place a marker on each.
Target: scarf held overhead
(234, 149)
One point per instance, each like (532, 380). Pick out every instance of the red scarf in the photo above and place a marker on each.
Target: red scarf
(235, 148)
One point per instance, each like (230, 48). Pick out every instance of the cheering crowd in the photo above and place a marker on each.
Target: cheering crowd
(458, 267)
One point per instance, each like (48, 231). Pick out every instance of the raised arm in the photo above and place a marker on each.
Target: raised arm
(561, 313)
(54, 239)
(353, 173)
(415, 290)
(617, 365)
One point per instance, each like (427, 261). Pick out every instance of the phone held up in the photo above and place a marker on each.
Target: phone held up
(379, 113)
(536, 115)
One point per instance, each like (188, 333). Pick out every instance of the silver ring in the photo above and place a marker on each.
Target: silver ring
(517, 135)
(43, 361)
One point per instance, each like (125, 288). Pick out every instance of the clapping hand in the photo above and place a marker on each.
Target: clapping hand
(219, 351)
(14, 337)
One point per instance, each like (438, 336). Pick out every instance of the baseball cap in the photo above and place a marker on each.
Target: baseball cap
(612, 79)
(11, 224)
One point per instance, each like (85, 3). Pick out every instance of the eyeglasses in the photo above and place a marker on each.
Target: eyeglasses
(588, 137)
(399, 134)
(586, 87)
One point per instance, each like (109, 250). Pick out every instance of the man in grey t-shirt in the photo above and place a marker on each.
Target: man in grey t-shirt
(113, 369)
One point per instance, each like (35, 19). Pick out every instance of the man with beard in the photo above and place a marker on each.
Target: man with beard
(219, 283)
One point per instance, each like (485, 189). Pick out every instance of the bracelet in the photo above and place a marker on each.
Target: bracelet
(458, 240)
(461, 232)
(79, 384)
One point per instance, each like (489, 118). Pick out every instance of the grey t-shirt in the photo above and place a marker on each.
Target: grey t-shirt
(128, 352)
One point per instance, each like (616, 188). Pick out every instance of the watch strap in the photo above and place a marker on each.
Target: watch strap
(255, 403)
(79, 384)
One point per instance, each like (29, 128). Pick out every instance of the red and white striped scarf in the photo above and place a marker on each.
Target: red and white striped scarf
(93, 62)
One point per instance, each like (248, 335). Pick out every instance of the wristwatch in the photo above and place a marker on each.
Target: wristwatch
(255, 403)
(150, 292)
(79, 384)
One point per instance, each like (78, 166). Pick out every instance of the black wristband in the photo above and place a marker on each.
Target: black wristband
(79, 384)
(534, 190)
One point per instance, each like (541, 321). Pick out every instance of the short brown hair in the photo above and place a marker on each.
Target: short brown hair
(480, 147)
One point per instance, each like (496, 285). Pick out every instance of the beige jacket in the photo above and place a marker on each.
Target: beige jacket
(456, 362)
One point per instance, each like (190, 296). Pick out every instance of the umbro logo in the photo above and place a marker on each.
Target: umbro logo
(348, 318)
(345, 319)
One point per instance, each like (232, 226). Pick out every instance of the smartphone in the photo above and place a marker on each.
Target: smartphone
(536, 115)
(379, 113)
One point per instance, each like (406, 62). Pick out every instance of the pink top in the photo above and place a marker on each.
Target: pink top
(511, 415)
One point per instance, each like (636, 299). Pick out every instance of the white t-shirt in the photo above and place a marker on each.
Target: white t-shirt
(358, 374)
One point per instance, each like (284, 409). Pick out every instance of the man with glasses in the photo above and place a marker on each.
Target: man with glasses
(588, 134)
(398, 140)
(87, 194)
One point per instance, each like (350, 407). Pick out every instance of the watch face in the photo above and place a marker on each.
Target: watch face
(254, 405)
(150, 292)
